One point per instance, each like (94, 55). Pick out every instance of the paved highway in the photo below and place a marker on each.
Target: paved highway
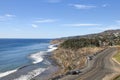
(102, 67)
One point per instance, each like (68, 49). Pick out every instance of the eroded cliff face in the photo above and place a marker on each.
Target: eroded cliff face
(70, 55)
(73, 59)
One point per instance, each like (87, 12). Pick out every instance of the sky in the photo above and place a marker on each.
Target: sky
(57, 18)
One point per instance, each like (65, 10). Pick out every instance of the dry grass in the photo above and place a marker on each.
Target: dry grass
(117, 78)
(117, 57)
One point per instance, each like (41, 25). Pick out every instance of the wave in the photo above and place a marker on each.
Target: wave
(31, 74)
(52, 48)
(37, 57)
(7, 73)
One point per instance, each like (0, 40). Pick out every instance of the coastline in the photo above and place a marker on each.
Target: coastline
(39, 68)
(33, 69)
(52, 69)
(62, 75)
(47, 74)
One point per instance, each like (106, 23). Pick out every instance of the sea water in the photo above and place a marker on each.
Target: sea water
(16, 53)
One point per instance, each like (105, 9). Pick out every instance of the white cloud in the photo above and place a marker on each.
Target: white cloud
(118, 21)
(81, 25)
(105, 5)
(34, 25)
(9, 15)
(111, 27)
(81, 6)
(45, 21)
(53, 1)
(6, 17)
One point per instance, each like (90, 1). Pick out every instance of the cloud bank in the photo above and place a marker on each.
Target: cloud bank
(6, 17)
(81, 25)
(81, 6)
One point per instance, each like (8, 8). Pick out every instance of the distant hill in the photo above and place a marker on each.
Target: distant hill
(73, 51)
(105, 33)
(106, 38)
(102, 34)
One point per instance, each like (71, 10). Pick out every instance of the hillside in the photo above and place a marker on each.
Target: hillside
(108, 33)
(72, 52)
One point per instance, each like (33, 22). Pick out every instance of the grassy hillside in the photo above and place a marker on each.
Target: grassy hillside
(80, 43)
(73, 51)
(107, 35)
(117, 57)
(117, 78)
(69, 59)
(108, 40)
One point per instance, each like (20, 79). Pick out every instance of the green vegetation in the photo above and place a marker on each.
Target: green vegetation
(80, 43)
(117, 78)
(98, 41)
(117, 57)
(72, 51)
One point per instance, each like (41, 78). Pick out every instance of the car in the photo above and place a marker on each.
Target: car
(90, 57)
(74, 72)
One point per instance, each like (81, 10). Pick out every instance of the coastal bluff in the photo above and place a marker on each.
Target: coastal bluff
(73, 52)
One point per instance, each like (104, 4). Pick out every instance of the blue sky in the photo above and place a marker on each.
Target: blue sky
(57, 18)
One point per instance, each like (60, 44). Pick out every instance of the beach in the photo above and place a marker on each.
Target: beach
(39, 67)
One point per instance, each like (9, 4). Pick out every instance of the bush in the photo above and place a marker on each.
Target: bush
(80, 43)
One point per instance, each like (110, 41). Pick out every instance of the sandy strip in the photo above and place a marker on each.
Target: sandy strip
(116, 61)
(113, 75)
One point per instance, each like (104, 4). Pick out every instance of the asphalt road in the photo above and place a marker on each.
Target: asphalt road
(98, 68)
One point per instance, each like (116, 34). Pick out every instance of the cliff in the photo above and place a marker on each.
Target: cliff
(72, 52)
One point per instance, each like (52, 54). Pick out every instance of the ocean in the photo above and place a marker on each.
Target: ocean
(18, 54)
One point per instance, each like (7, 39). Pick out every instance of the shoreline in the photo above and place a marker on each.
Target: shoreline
(52, 69)
(45, 74)
(31, 71)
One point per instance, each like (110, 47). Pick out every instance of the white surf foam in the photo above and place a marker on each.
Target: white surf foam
(31, 74)
(38, 57)
(52, 48)
(7, 73)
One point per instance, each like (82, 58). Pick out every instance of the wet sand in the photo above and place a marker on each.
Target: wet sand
(49, 73)
(49, 69)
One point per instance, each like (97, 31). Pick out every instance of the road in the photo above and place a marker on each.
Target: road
(102, 67)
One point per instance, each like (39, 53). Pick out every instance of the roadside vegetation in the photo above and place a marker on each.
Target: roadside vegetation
(117, 78)
(69, 59)
(80, 43)
(117, 57)
(72, 53)
(98, 41)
